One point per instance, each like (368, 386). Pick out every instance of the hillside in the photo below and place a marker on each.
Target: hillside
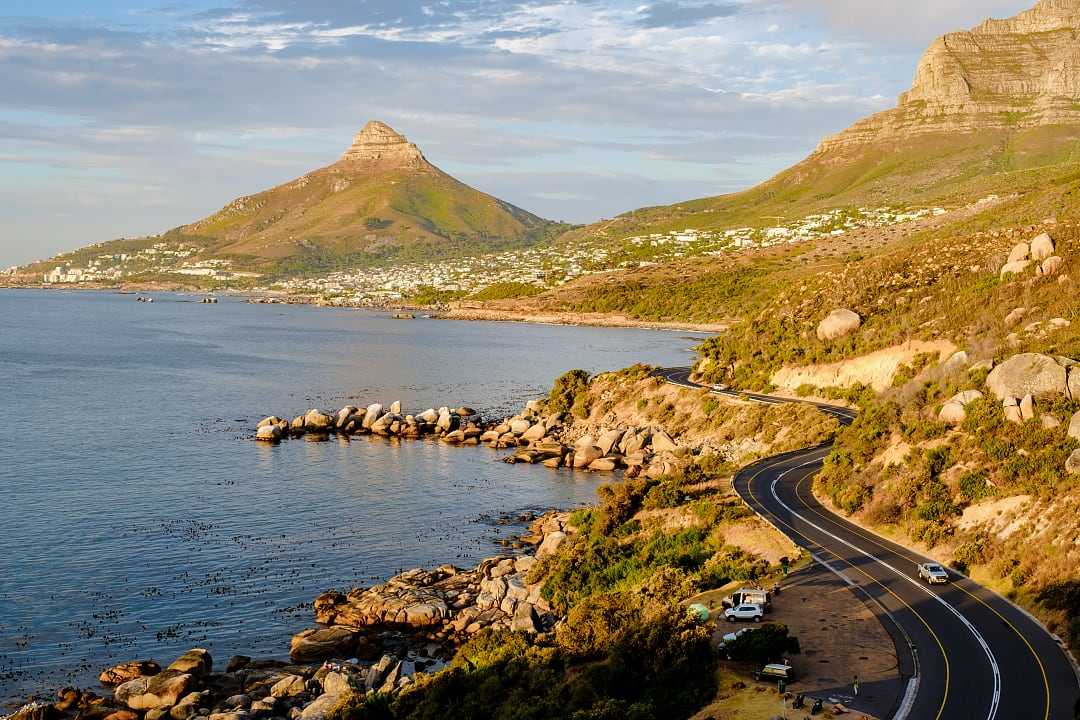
(991, 110)
(381, 202)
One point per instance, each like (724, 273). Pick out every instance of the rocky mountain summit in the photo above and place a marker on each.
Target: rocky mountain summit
(379, 144)
(1018, 72)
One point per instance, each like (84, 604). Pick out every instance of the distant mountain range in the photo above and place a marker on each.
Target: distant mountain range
(993, 110)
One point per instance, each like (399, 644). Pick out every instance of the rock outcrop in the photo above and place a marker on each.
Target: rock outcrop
(379, 144)
(954, 411)
(448, 601)
(837, 324)
(1027, 374)
(1019, 72)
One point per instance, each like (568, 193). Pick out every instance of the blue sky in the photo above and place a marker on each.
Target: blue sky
(121, 118)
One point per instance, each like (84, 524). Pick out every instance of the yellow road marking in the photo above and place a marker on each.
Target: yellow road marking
(905, 554)
(941, 647)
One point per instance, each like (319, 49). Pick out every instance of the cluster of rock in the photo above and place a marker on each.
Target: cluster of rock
(1018, 383)
(189, 689)
(538, 438)
(546, 440)
(462, 425)
(441, 606)
(425, 613)
(1038, 253)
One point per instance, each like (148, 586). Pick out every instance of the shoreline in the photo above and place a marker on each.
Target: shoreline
(568, 319)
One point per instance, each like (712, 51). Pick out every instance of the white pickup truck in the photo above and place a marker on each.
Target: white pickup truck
(933, 573)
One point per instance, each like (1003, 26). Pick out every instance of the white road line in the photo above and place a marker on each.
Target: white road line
(995, 699)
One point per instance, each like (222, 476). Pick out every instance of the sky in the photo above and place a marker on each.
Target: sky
(121, 118)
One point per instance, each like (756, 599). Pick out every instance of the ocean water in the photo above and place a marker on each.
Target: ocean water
(139, 519)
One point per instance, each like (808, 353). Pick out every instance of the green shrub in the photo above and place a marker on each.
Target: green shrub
(570, 393)
(975, 486)
(769, 643)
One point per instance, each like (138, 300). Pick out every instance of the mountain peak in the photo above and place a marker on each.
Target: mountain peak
(1019, 72)
(379, 144)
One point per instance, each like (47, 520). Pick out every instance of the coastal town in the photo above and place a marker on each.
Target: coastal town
(541, 267)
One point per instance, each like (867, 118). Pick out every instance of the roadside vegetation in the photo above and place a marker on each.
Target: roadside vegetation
(990, 497)
(627, 647)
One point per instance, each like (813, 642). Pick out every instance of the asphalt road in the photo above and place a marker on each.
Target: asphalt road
(973, 655)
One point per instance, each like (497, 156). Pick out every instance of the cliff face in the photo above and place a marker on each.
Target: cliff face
(1019, 72)
(379, 144)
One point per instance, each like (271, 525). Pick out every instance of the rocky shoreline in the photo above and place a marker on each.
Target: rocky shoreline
(536, 437)
(377, 639)
(369, 640)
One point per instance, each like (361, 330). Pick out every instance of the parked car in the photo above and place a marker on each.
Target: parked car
(776, 672)
(749, 596)
(733, 636)
(744, 612)
(933, 573)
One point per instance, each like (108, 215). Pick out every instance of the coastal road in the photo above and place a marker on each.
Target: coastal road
(973, 655)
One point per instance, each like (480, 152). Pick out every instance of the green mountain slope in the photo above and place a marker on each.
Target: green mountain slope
(994, 110)
(380, 203)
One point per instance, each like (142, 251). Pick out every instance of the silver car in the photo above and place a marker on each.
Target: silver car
(933, 573)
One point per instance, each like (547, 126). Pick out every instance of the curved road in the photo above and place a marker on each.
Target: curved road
(975, 655)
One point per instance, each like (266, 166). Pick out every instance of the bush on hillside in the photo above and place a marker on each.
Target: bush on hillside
(570, 394)
(616, 656)
(769, 643)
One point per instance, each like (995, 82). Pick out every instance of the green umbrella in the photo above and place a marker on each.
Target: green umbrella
(699, 612)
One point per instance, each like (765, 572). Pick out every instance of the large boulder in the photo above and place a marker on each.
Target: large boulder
(1027, 374)
(1052, 265)
(1074, 383)
(525, 619)
(1072, 465)
(609, 440)
(837, 324)
(268, 433)
(320, 709)
(1015, 268)
(1019, 253)
(952, 413)
(584, 456)
(1042, 247)
(158, 691)
(536, 432)
(1074, 426)
(318, 420)
(373, 413)
(120, 674)
(550, 545)
(662, 442)
(520, 426)
(289, 686)
(189, 705)
(196, 661)
(321, 643)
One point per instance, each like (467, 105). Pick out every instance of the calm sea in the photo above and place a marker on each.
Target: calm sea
(138, 519)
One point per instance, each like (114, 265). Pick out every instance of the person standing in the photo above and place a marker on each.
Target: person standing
(855, 685)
